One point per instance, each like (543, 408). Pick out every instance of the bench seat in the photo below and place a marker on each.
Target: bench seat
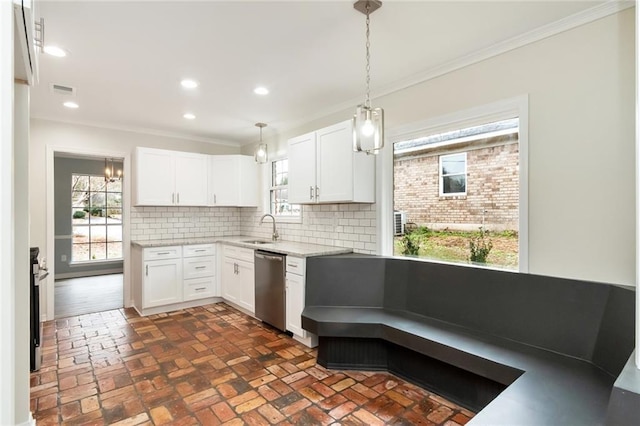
(542, 387)
(518, 349)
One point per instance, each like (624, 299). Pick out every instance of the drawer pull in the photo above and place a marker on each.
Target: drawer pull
(292, 265)
(200, 267)
(201, 288)
(200, 250)
(163, 253)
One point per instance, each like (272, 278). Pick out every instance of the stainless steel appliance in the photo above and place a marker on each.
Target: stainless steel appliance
(270, 288)
(34, 311)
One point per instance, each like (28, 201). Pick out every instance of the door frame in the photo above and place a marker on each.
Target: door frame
(51, 150)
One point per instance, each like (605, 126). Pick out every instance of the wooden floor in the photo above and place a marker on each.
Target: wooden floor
(77, 296)
(210, 365)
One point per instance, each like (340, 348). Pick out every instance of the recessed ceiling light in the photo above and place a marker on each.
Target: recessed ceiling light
(189, 84)
(261, 90)
(55, 51)
(70, 104)
(189, 116)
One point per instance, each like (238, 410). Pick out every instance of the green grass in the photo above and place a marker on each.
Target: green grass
(453, 246)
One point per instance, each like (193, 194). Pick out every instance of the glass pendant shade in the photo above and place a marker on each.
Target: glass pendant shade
(260, 154)
(368, 129)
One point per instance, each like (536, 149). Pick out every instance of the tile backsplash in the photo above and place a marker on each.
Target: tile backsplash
(165, 223)
(342, 225)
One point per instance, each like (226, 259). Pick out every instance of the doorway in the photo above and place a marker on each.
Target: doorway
(87, 226)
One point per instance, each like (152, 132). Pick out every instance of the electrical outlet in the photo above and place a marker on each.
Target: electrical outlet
(63, 258)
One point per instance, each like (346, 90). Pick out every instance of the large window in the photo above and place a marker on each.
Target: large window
(457, 194)
(279, 191)
(96, 218)
(453, 174)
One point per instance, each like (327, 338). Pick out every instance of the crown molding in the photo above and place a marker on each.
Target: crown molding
(565, 24)
(141, 130)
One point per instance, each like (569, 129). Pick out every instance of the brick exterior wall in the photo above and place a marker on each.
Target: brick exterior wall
(492, 187)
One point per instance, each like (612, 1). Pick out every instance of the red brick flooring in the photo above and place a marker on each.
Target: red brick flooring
(209, 365)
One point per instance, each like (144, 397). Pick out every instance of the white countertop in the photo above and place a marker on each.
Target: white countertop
(283, 247)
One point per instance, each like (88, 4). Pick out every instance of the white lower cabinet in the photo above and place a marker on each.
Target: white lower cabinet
(175, 277)
(161, 282)
(295, 291)
(238, 280)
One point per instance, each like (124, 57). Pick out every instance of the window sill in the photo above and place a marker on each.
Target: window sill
(288, 219)
(453, 196)
(80, 263)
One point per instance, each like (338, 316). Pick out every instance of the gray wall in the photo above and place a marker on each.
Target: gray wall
(63, 169)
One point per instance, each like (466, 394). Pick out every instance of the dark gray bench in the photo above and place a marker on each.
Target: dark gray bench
(520, 349)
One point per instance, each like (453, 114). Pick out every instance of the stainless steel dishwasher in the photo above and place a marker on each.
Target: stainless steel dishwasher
(270, 288)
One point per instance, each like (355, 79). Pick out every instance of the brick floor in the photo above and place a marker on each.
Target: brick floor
(209, 365)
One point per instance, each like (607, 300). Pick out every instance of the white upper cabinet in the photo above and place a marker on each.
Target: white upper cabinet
(323, 168)
(233, 181)
(170, 178)
(154, 177)
(302, 169)
(25, 66)
(191, 179)
(175, 178)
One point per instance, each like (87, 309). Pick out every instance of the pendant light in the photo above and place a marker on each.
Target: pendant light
(110, 175)
(260, 154)
(368, 122)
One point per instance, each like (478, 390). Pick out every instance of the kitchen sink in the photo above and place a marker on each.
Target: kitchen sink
(256, 242)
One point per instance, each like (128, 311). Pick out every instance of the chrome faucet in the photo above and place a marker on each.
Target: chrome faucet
(275, 235)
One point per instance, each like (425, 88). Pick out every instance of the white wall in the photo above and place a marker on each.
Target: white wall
(14, 233)
(581, 140)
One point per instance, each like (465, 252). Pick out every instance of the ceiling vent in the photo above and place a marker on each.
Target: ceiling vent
(63, 90)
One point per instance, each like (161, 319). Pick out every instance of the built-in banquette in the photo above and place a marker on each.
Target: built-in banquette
(518, 348)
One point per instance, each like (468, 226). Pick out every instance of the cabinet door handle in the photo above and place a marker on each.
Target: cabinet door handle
(173, 198)
(214, 199)
(178, 197)
(317, 192)
(311, 192)
(147, 270)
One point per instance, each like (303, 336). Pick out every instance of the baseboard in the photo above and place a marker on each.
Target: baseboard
(66, 275)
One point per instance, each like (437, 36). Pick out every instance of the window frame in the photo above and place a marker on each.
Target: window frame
(495, 111)
(441, 175)
(89, 226)
(269, 187)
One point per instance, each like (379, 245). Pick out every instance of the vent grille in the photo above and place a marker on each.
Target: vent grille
(63, 90)
(399, 222)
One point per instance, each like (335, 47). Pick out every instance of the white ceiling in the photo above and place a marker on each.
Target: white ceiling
(127, 58)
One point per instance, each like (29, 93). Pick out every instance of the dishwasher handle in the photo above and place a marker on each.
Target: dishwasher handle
(269, 257)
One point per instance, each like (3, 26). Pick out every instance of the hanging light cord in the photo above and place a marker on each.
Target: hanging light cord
(367, 102)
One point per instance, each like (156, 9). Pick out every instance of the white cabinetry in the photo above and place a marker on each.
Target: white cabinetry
(162, 276)
(175, 277)
(295, 300)
(323, 168)
(199, 271)
(238, 280)
(233, 181)
(170, 178)
(25, 65)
